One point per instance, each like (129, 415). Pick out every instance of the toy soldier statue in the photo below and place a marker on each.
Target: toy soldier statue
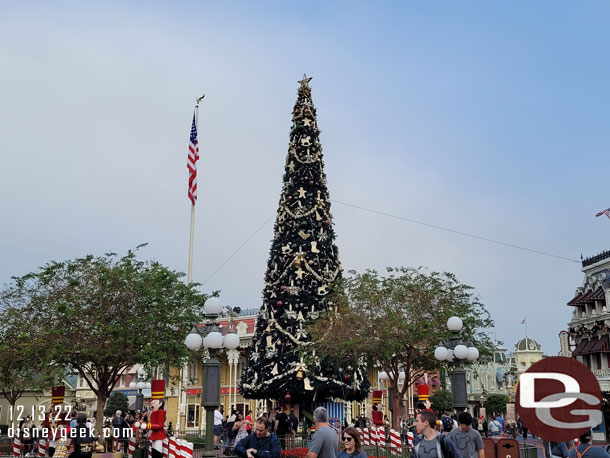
(156, 419)
(55, 417)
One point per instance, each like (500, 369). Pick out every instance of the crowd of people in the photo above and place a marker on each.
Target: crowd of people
(67, 439)
(237, 426)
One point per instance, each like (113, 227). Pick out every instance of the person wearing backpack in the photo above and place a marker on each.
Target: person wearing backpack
(429, 443)
(282, 426)
(294, 426)
(117, 430)
(495, 428)
(586, 450)
(467, 439)
(81, 437)
(447, 423)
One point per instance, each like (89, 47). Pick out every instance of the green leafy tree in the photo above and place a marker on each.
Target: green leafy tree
(441, 401)
(22, 364)
(396, 321)
(101, 314)
(496, 404)
(117, 401)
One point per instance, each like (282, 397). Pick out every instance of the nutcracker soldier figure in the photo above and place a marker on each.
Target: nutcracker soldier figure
(55, 417)
(156, 418)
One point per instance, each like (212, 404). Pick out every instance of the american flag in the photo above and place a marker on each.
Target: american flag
(191, 163)
(604, 212)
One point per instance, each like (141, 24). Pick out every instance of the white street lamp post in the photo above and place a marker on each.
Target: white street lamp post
(455, 352)
(140, 385)
(213, 341)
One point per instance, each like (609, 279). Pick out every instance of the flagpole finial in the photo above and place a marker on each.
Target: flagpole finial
(199, 99)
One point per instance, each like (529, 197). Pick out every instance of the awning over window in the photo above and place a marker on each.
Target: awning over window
(602, 345)
(578, 350)
(576, 298)
(584, 298)
(598, 295)
(587, 348)
(589, 296)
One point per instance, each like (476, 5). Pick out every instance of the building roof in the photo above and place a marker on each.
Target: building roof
(597, 258)
(528, 344)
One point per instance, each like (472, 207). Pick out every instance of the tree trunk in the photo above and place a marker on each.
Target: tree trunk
(102, 397)
(13, 415)
(396, 404)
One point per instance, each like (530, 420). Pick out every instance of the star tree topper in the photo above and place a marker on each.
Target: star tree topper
(305, 81)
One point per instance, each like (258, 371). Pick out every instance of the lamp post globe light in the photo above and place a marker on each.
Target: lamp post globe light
(456, 352)
(140, 385)
(210, 337)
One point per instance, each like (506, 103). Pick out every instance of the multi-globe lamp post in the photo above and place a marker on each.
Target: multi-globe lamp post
(456, 352)
(210, 337)
(382, 376)
(140, 385)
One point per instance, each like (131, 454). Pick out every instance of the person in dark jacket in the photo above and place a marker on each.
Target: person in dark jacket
(261, 444)
(429, 443)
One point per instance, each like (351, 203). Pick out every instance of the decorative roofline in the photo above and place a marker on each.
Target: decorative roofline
(594, 259)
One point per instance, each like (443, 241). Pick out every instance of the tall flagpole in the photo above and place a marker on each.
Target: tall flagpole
(192, 236)
(181, 395)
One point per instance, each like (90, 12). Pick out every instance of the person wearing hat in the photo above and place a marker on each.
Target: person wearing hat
(156, 418)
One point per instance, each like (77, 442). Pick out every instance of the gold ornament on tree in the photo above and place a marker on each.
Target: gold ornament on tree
(307, 384)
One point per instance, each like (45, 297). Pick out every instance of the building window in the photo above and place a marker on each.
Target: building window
(192, 374)
(598, 360)
(81, 382)
(192, 416)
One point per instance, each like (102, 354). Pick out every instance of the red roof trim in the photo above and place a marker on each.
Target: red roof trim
(576, 298)
(584, 298)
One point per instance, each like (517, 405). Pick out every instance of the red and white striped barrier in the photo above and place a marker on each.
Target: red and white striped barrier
(381, 436)
(373, 435)
(42, 448)
(17, 447)
(184, 449)
(366, 437)
(410, 437)
(131, 447)
(165, 448)
(172, 447)
(395, 443)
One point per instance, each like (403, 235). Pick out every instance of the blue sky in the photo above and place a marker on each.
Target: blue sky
(486, 117)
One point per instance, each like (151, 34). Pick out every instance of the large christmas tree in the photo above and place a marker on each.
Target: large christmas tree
(302, 266)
